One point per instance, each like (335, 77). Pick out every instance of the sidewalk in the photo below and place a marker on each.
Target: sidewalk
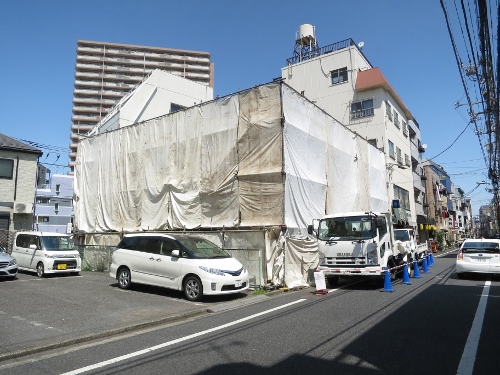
(43, 314)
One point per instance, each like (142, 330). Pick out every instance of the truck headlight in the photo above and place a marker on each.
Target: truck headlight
(371, 257)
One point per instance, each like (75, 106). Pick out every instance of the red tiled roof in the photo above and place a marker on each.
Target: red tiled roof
(373, 78)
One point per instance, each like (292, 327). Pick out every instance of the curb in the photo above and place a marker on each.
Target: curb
(101, 335)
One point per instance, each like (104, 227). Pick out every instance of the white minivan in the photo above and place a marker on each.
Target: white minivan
(191, 264)
(46, 252)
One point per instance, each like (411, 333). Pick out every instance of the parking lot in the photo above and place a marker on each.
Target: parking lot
(57, 310)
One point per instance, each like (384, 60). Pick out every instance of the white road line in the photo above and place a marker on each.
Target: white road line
(169, 343)
(466, 365)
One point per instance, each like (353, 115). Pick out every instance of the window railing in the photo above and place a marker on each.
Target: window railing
(400, 159)
(397, 123)
(392, 154)
(362, 113)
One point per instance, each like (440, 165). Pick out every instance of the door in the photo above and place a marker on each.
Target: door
(167, 267)
(142, 260)
(22, 252)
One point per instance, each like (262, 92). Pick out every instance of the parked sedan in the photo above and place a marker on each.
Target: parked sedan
(478, 256)
(8, 264)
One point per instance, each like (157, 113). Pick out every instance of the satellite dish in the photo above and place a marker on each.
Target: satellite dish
(361, 44)
(424, 146)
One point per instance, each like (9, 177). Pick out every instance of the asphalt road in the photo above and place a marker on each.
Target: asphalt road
(429, 327)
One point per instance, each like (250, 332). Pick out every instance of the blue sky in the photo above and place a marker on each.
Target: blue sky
(249, 42)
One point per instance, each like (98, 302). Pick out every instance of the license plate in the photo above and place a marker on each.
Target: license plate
(481, 260)
(238, 283)
(61, 266)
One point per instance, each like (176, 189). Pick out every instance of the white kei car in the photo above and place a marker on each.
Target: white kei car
(194, 265)
(478, 256)
(46, 252)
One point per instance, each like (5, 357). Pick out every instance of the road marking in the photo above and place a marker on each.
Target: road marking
(466, 365)
(176, 341)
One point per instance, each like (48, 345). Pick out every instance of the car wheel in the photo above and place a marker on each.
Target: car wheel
(332, 280)
(40, 270)
(193, 289)
(124, 279)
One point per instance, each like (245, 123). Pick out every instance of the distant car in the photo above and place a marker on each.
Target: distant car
(46, 252)
(8, 264)
(191, 264)
(478, 256)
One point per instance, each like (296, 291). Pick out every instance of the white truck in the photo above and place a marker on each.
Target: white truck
(358, 244)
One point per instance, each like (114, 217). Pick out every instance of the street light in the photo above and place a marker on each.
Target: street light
(478, 184)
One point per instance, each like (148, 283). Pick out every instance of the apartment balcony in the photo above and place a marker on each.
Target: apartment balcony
(94, 66)
(81, 129)
(88, 59)
(94, 75)
(86, 91)
(87, 84)
(94, 101)
(88, 118)
(88, 109)
(418, 183)
(415, 153)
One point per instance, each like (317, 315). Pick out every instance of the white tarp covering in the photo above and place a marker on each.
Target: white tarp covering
(263, 158)
(328, 168)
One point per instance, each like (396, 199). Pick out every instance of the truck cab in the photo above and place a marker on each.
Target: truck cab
(356, 244)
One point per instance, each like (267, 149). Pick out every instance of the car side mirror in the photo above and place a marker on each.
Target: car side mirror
(175, 253)
(309, 229)
(33, 247)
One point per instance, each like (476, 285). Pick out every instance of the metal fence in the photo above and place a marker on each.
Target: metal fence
(95, 258)
(6, 238)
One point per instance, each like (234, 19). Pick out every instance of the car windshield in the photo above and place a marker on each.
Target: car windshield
(481, 247)
(54, 243)
(347, 228)
(401, 235)
(201, 248)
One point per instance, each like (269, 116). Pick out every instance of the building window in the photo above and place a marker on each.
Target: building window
(362, 108)
(43, 219)
(4, 222)
(407, 160)
(176, 107)
(388, 110)
(396, 119)
(373, 142)
(6, 168)
(398, 154)
(405, 128)
(391, 150)
(58, 188)
(339, 76)
(56, 207)
(403, 196)
(42, 200)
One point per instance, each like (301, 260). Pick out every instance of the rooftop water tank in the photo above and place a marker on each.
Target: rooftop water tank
(306, 34)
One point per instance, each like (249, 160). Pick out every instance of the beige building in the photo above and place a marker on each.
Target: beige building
(340, 80)
(18, 175)
(105, 72)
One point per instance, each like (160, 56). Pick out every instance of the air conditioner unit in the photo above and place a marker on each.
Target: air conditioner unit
(22, 207)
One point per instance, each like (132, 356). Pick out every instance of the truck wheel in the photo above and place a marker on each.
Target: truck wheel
(332, 280)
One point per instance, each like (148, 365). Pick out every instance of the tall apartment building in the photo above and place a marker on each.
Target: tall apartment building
(105, 72)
